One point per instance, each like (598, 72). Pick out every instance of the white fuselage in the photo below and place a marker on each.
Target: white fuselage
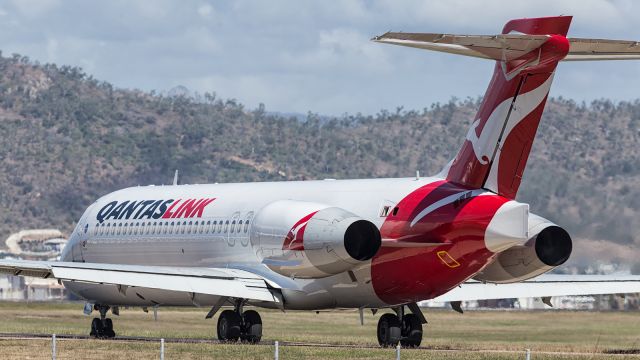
(197, 242)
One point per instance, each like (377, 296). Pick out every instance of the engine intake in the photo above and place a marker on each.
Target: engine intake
(553, 245)
(310, 240)
(548, 246)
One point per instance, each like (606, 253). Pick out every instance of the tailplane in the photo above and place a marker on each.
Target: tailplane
(497, 145)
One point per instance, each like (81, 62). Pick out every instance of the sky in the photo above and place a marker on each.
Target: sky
(300, 56)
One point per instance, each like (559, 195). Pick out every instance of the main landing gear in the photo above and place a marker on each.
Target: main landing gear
(234, 325)
(102, 328)
(402, 328)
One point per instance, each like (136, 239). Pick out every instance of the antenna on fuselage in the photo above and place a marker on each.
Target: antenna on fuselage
(175, 178)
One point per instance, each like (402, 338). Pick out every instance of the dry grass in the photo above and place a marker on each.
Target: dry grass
(478, 333)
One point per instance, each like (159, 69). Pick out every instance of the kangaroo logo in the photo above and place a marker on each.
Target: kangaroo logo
(485, 144)
(477, 145)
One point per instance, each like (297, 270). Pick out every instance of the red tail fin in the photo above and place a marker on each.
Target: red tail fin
(497, 145)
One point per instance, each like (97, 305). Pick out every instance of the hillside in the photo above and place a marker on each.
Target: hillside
(69, 138)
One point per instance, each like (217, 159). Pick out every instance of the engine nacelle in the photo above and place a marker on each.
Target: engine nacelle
(548, 247)
(311, 240)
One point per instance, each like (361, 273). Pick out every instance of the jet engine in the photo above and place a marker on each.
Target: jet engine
(548, 246)
(311, 240)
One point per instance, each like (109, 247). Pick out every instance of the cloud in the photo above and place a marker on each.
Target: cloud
(302, 56)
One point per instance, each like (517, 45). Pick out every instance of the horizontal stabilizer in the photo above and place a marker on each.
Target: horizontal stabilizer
(602, 49)
(508, 47)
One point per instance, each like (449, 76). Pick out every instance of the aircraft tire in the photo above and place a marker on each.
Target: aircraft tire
(252, 327)
(229, 329)
(389, 330)
(108, 329)
(96, 328)
(411, 331)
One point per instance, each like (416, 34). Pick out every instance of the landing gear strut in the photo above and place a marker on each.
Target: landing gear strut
(102, 328)
(236, 324)
(402, 328)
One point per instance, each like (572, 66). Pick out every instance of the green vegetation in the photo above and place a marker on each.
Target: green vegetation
(69, 138)
(478, 334)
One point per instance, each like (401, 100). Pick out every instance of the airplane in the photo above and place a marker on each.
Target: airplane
(365, 244)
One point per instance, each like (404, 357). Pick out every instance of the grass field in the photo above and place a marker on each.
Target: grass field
(479, 334)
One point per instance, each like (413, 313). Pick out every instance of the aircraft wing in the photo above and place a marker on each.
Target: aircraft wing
(545, 286)
(210, 281)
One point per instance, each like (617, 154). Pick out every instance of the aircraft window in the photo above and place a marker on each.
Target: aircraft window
(171, 227)
(208, 226)
(166, 227)
(190, 228)
(142, 228)
(125, 228)
(120, 229)
(246, 226)
(226, 226)
(239, 225)
(395, 211)
(220, 226)
(152, 229)
(204, 227)
(233, 226)
(184, 226)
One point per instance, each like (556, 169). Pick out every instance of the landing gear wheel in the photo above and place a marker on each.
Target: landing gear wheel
(108, 329)
(389, 330)
(96, 328)
(411, 331)
(229, 326)
(251, 327)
